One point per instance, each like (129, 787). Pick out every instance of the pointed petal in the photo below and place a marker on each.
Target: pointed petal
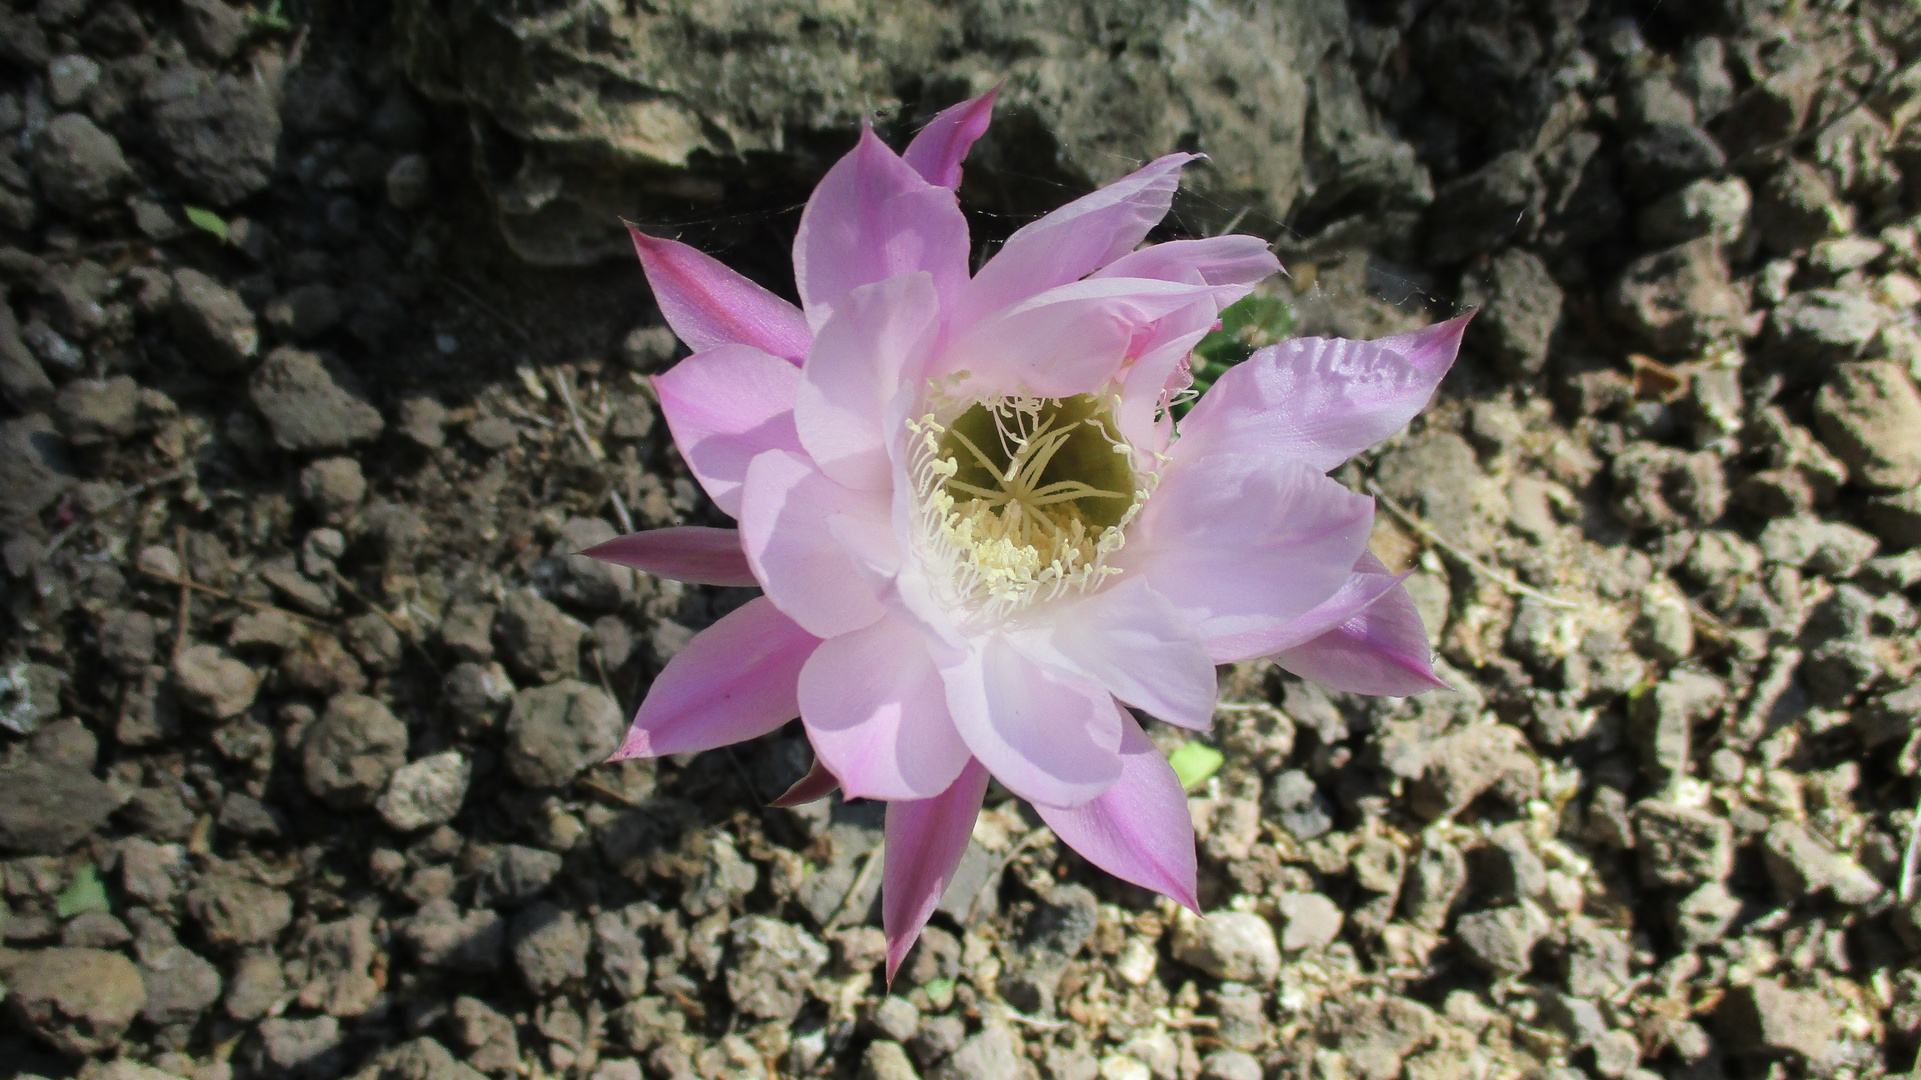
(815, 786)
(1217, 260)
(1049, 737)
(939, 148)
(925, 839)
(878, 332)
(786, 525)
(1152, 380)
(1137, 830)
(873, 218)
(693, 553)
(1242, 543)
(1361, 589)
(726, 406)
(736, 680)
(1381, 649)
(876, 712)
(1320, 400)
(709, 305)
(1136, 645)
(1068, 340)
(1076, 239)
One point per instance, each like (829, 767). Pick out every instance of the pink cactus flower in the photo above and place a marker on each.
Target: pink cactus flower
(980, 536)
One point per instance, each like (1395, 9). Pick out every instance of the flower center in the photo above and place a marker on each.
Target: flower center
(1023, 499)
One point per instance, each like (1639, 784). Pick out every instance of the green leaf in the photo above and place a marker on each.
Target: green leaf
(940, 992)
(206, 219)
(1194, 762)
(272, 18)
(83, 894)
(1253, 323)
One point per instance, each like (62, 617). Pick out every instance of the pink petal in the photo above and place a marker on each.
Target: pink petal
(734, 681)
(1135, 644)
(709, 305)
(876, 712)
(1068, 340)
(786, 519)
(939, 148)
(873, 218)
(815, 786)
(1320, 400)
(1380, 650)
(1076, 239)
(1242, 543)
(693, 553)
(1152, 380)
(1356, 594)
(1217, 260)
(852, 374)
(1137, 830)
(1049, 737)
(925, 840)
(726, 406)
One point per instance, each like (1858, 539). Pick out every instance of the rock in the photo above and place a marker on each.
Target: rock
(420, 1059)
(212, 28)
(1832, 548)
(29, 696)
(886, 1059)
(1312, 922)
(79, 167)
(993, 1053)
(587, 583)
(423, 422)
(1703, 916)
(1814, 329)
(306, 1048)
(1485, 209)
(95, 412)
(1437, 475)
(213, 322)
(311, 404)
(23, 382)
(1377, 1035)
(1667, 155)
(333, 487)
(1802, 864)
(37, 471)
(409, 182)
(1435, 877)
(1766, 1018)
(1682, 845)
(488, 1036)
(1298, 806)
(218, 133)
(80, 1001)
(95, 930)
(334, 969)
(46, 807)
(1234, 946)
(554, 732)
(1896, 519)
(549, 946)
(1664, 718)
(374, 642)
(69, 78)
(211, 682)
(1717, 209)
(233, 911)
(305, 312)
(538, 640)
(514, 876)
(1501, 940)
(425, 792)
(1463, 766)
(1869, 415)
(897, 1018)
(649, 349)
(1230, 1065)
(259, 983)
(467, 631)
(351, 753)
(1795, 209)
(774, 965)
(1520, 306)
(1681, 299)
(180, 986)
(441, 935)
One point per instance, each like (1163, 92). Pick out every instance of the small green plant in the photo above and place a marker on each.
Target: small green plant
(207, 220)
(273, 18)
(1194, 762)
(83, 894)
(1252, 323)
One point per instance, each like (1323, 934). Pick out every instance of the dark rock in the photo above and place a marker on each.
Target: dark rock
(549, 946)
(1794, 209)
(1462, 766)
(1802, 864)
(80, 1001)
(1680, 299)
(487, 1035)
(1670, 154)
(213, 29)
(420, 1059)
(556, 731)
(538, 640)
(46, 808)
(1896, 519)
(587, 583)
(334, 967)
(1717, 209)
(1435, 877)
(218, 133)
(1869, 415)
(774, 966)
(1682, 845)
(333, 487)
(441, 935)
(1501, 940)
(514, 876)
(311, 404)
(1812, 330)
(233, 911)
(1375, 1036)
(93, 412)
(1703, 916)
(180, 985)
(993, 1053)
(213, 322)
(305, 1049)
(211, 682)
(1520, 306)
(37, 470)
(1767, 1018)
(1486, 209)
(305, 312)
(352, 751)
(1664, 718)
(79, 167)
(23, 382)
(243, 815)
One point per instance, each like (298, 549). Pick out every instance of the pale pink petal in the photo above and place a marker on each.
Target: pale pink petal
(873, 218)
(876, 712)
(693, 553)
(726, 406)
(1320, 400)
(1050, 737)
(925, 840)
(1382, 649)
(876, 333)
(1137, 830)
(709, 305)
(1218, 260)
(1356, 594)
(1076, 239)
(786, 517)
(736, 680)
(1135, 644)
(939, 148)
(815, 786)
(1068, 340)
(1241, 543)
(1152, 380)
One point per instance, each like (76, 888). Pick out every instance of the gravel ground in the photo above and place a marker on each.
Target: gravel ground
(303, 693)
